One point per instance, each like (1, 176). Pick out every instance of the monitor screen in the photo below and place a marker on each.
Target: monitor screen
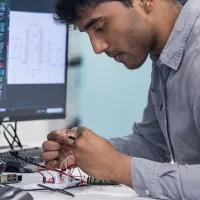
(33, 61)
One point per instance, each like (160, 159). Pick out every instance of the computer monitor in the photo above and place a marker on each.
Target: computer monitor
(33, 61)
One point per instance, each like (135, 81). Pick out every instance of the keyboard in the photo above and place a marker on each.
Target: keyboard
(17, 165)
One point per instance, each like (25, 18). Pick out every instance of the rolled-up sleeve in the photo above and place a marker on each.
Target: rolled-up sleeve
(165, 180)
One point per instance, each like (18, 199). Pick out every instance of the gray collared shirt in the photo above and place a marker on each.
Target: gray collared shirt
(170, 128)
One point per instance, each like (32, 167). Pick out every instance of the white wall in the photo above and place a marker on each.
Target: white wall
(33, 132)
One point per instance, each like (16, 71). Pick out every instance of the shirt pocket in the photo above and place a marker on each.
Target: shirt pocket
(157, 101)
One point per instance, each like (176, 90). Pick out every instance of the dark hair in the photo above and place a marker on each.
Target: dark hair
(67, 11)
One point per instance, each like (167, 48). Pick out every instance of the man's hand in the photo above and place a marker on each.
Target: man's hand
(98, 158)
(58, 147)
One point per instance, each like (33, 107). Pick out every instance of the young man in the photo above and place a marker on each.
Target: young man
(129, 30)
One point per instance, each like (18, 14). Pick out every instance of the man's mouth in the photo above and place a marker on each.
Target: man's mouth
(118, 57)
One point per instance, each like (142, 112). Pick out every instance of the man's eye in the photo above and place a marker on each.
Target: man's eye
(101, 29)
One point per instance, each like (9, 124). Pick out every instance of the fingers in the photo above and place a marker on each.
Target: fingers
(51, 146)
(51, 150)
(74, 128)
(58, 147)
(58, 136)
(80, 130)
(73, 134)
(62, 136)
(55, 156)
(59, 151)
(50, 155)
(53, 164)
(69, 162)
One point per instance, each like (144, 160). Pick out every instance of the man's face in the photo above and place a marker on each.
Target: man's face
(123, 33)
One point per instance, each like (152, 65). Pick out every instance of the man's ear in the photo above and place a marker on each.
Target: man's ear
(147, 5)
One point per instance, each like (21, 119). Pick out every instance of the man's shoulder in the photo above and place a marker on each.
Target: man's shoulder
(192, 48)
(194, 38)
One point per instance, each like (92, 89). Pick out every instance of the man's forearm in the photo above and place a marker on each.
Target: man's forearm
(122, 172)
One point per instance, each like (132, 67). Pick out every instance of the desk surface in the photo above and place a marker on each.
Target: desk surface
(82, 193)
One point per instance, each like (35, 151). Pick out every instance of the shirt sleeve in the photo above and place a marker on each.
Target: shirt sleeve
(147, 140)
(165, 180)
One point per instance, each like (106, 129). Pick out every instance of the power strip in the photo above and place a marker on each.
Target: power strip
(93, 181)
(10, 178)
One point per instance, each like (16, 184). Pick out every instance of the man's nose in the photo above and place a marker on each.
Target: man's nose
(99, 45)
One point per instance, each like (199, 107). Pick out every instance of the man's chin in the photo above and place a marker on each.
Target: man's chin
(132, 66)
(137, 65)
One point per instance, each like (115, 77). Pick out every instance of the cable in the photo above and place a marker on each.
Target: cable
(51, 180)
(43, 176)
(56, 190)
(42, 166)
(65, 160)
(38, 165)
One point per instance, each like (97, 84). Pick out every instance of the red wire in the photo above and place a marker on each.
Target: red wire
(61, 172)
(44, 177)
(81, 176)
(51, 180)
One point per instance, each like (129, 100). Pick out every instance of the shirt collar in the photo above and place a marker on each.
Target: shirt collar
(154, 57)
(172, 53)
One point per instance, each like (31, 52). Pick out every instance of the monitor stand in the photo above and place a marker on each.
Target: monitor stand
(10, 133)
(23, 156)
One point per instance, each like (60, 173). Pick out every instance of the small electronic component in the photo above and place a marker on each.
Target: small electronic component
(93, 181)
(10, 178)
(59, 178)
(60, 181)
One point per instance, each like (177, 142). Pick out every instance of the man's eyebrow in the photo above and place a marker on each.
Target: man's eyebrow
(90, 23)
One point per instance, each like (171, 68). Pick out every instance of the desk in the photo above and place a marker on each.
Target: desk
(119, 192)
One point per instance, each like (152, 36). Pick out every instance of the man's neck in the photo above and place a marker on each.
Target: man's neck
(167, 16)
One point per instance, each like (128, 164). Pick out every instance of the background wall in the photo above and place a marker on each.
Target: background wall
(111, 96)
